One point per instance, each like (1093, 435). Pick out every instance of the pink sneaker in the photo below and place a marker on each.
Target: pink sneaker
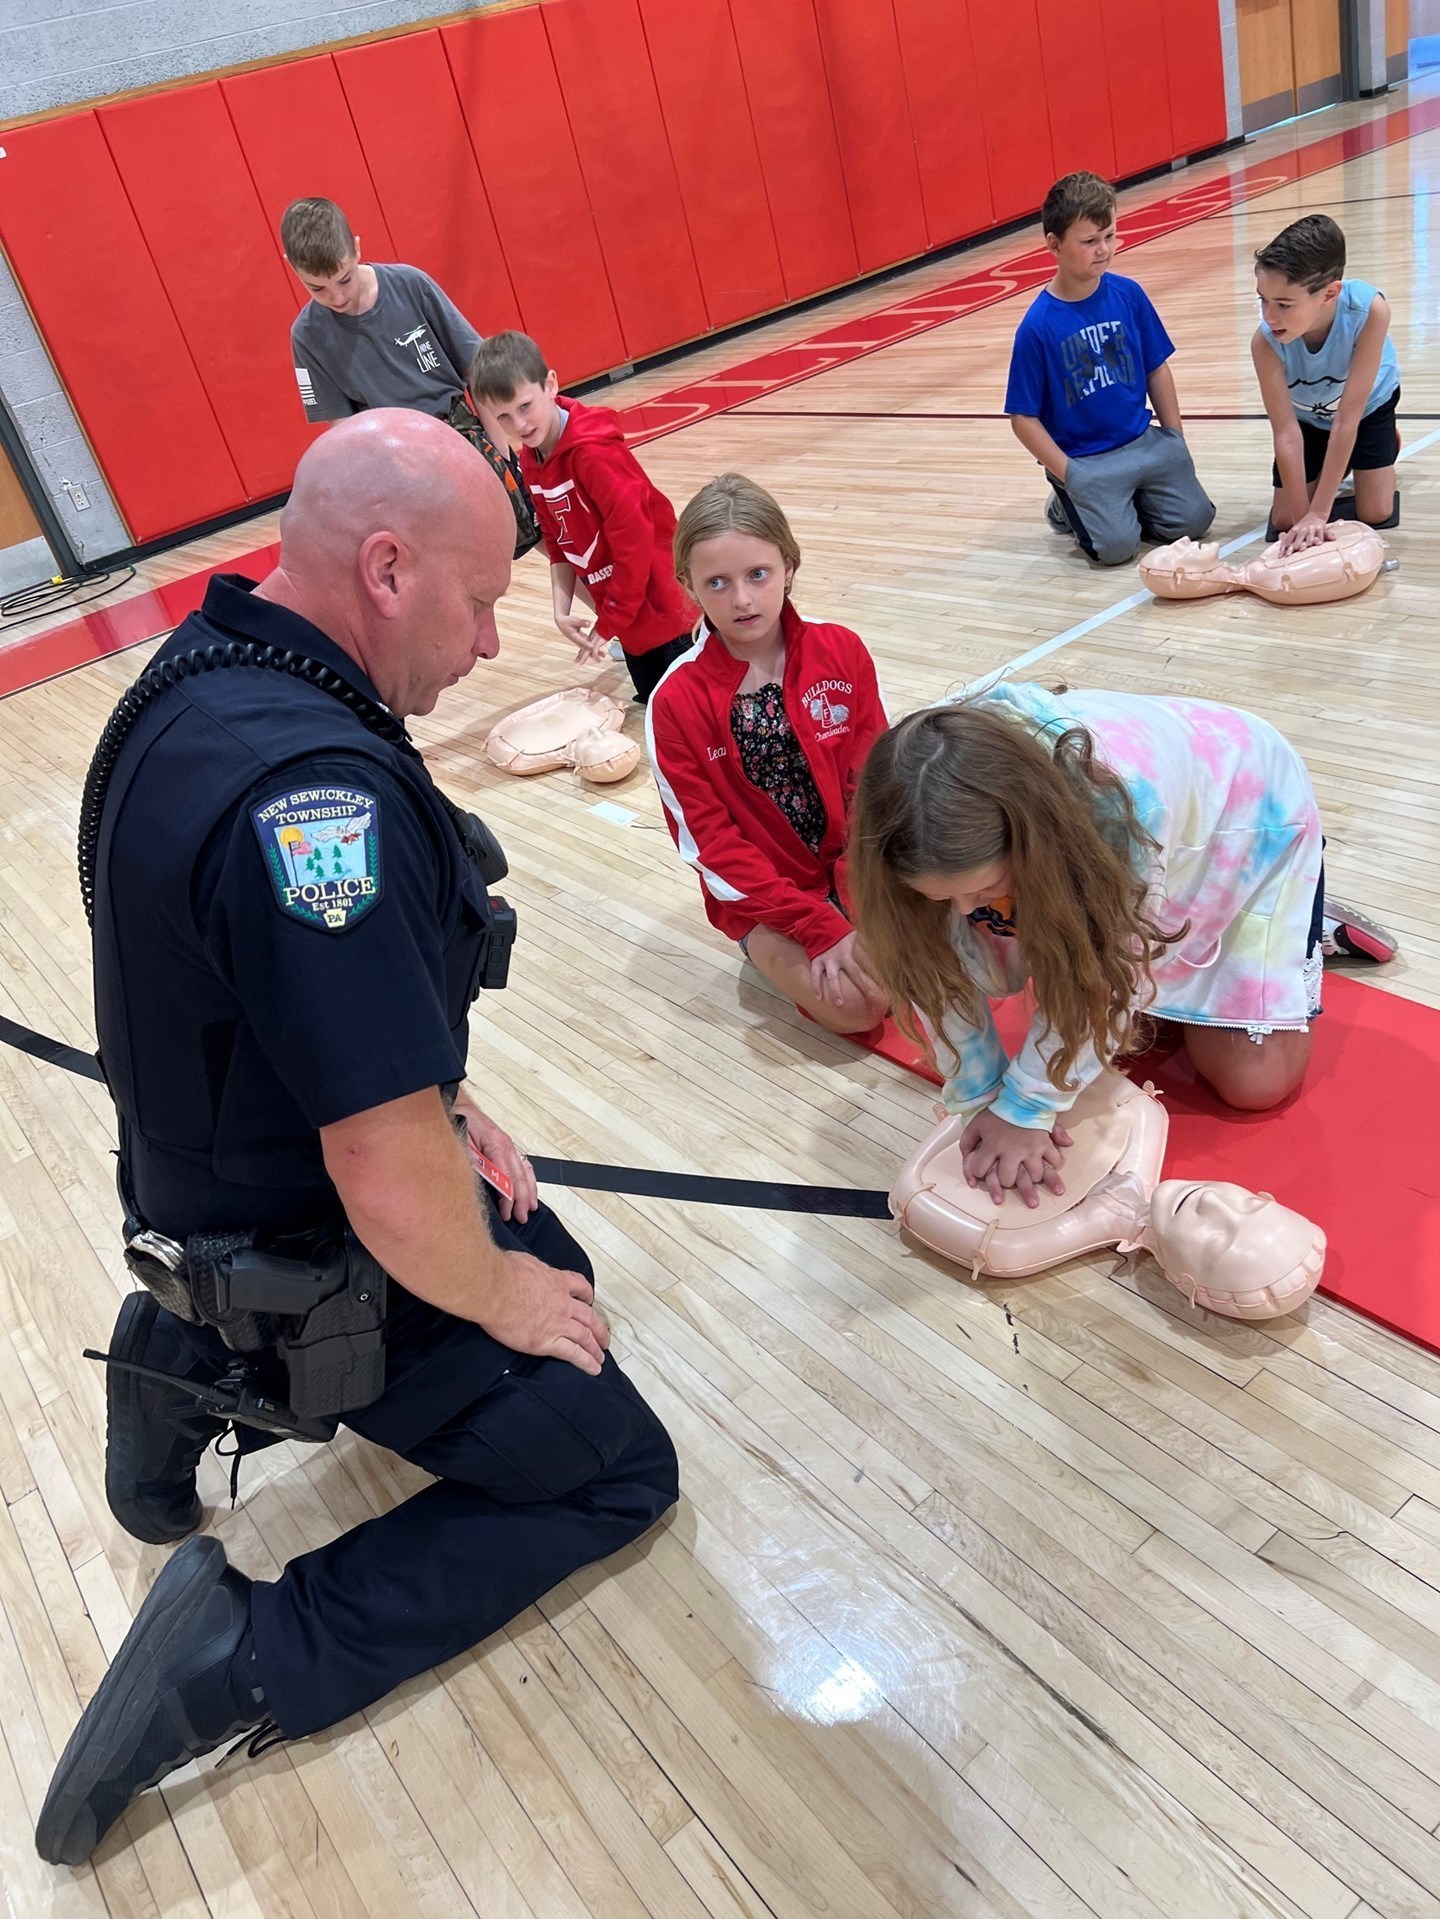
(1351, 934)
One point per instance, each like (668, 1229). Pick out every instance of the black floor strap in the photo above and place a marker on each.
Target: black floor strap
(53, 1051)
(774, 1196)
(847, 1201)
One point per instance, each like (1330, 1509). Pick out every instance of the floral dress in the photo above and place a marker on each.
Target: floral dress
(772, 760)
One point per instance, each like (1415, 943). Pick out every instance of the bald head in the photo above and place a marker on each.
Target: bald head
(387, 471)
(396, 543)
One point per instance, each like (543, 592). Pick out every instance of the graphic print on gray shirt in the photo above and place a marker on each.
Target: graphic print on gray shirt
(412, 349)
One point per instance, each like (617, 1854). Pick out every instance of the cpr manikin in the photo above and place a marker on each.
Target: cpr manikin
(1344, 564)
(1225, 1248)
(577, 728)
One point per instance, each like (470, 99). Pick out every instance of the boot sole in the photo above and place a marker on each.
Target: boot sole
(112, 1724)
(132, 1331)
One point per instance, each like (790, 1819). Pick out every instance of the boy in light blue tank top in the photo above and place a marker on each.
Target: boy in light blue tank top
(1330, 382)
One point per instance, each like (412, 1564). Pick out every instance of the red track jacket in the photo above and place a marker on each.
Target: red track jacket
(601, 515)
(754, 868)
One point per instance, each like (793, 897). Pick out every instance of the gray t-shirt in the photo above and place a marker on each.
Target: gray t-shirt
(413, 348)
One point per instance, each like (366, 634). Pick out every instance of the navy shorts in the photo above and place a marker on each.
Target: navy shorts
(1377, 444)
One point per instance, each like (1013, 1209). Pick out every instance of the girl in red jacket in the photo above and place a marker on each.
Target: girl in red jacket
(757, 736)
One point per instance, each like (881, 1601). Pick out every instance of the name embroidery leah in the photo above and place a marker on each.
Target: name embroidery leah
(321, 846)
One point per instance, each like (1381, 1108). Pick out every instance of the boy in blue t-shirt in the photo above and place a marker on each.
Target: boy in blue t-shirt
(1088, 355)
(1330, 382)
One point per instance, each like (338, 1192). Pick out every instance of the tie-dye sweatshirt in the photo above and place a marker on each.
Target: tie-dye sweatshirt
(1231, 806)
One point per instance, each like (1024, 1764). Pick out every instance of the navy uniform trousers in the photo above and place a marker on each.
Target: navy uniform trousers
(547, 1469)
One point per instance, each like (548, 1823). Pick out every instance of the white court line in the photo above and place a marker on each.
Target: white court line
(1131, 600)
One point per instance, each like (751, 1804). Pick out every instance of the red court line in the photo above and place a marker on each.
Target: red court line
(144, 616)
(147, 615)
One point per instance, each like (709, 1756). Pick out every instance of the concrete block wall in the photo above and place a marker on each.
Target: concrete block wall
(59, 53)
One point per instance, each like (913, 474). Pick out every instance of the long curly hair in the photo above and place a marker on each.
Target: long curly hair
(956, 788)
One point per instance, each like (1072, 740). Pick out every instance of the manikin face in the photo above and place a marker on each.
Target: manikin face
(982, 886)
(1225, 1237)
(341, 291)
(739, 582)
(1291, 310)
(1085, 249)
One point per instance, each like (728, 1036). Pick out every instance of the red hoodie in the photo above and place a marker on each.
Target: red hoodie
(755, 870)
(601, 515)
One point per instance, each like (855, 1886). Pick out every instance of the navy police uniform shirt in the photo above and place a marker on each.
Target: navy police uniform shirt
(288, 930)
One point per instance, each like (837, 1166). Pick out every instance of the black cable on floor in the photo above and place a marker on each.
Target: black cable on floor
(44, 596)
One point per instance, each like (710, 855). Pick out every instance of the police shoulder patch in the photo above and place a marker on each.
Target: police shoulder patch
(321, 846)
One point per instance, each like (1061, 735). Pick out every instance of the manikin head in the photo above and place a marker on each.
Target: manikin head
(1227, 1249)
(396, 542)
(1242, 1252)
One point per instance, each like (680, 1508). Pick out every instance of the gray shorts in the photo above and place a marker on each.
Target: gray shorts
(1144, 490)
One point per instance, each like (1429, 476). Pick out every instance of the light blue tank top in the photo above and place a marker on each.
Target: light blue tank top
(1318, 379)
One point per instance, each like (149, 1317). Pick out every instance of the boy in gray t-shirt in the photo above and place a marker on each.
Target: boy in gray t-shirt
(385, 336)
(371, 336)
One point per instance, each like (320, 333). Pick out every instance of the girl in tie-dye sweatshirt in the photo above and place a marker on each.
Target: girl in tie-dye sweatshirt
(1127, 858)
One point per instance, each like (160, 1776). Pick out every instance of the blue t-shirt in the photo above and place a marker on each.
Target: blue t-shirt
(1080, 366)
(1318, 379)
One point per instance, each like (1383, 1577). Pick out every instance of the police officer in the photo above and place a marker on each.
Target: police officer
(288, 929)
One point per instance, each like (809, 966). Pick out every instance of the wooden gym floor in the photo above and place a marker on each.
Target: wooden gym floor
(1051, 1599)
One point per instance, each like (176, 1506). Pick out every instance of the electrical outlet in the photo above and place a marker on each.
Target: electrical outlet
(79, 498)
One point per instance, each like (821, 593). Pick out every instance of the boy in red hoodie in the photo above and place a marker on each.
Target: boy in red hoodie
(608, 530)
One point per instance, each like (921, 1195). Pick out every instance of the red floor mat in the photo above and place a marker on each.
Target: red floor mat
(890, 1043)
(1355, 1150)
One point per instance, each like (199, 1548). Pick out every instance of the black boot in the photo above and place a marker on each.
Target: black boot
(155, 1434)
(183, 1681)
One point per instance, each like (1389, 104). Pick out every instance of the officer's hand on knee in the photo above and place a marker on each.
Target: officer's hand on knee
(548, 1313)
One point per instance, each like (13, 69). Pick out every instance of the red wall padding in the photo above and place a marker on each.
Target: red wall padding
(1011, 73)
(939, 62)
(218, 262)
(872, 123)
(1196, 65)
(795, 130)
(430, 190)
(616, 176)
(1077, 99)
(1139, 84)
(535, 188)
(722, 184)
(88, 275)
(603, 67)
(300, 142)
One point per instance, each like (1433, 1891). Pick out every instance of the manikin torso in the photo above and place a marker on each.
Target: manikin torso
(1228, 1249)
